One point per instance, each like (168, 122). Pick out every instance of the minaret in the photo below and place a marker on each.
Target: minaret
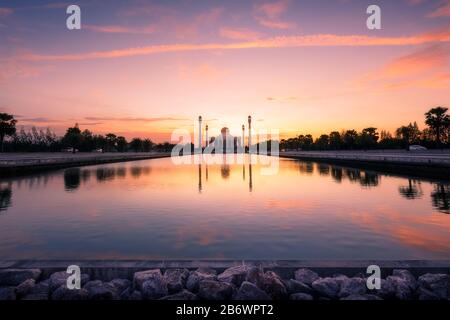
(249, 133)
(207, 141)
(243, 138)
(200, 132)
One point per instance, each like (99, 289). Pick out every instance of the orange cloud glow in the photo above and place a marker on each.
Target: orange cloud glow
(321, 40)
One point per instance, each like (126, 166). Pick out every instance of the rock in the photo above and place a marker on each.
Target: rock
(249, 291)
(7, 293)
(25, 287)
(14, 277)
(129, 294)
(439, 284)
(301, 296)
(41, 288)
(327, 287)
(235, 275)
(402, 289)
(387, 289)
(214, 290)
(135, 295)
(195, 277)
(352, 286)
(294, 286)
(176, 279)
(361, 297)
(274, 286)
(425, 294)
(407, 276)
(255, 275)
(306, 276)
(182, 295)
(58, 279)
(63, 293)
(140, 277)
(120, 284)
(99, 290)
(154, 286)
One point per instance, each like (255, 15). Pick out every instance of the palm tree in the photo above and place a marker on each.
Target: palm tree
(438, 120)
(7, 127)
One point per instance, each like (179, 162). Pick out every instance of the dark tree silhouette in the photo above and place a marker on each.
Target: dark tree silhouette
(72, 179)
(412, 191)
(7, 127)
(439, 121)
(73, 137)
(440, 198)
(5, 198)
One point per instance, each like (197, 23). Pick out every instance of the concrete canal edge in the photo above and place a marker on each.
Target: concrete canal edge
(107, 270)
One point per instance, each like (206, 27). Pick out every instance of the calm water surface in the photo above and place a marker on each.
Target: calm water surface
(154, 209)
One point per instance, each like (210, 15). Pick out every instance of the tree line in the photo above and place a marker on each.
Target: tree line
(39, 140)
(436, 135)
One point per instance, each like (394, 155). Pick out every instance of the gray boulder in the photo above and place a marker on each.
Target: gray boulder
(7, 293)
(14, 277)
(439, 284)
(249, 291)
(195, 277)
(402, 287)
(40, 291)
(387, 290)
(154, 287)
(58, 279)
(327, 287)
(235, 275)
(176, 279)
(352, 286)
(215, 290)
(293, 286)
(140, 277)
(120, 284)
(274, 286)
(129, 294)
(301, 296)
(306, 276)
(183, 295)
(99, 290)
(63, 293)
(407, 276)
(255, 275)
(25, 287)
(425, 294)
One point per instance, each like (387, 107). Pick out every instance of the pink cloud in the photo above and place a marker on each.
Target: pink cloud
(272, 10)
(320, 40)
(442, 11)
(275, 24)
(423, 68)
(268, 15)
(239, 33)
(5, 12)
(121, 29)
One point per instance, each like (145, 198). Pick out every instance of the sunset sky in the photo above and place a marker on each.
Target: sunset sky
(145, 68)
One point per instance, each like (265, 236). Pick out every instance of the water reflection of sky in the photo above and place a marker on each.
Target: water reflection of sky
(155, 210)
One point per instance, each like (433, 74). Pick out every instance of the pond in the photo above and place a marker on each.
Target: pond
(155, 209)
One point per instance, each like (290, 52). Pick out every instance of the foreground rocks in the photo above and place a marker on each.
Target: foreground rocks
(235, 283)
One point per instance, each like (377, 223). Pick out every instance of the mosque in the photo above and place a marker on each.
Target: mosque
(225, 141)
